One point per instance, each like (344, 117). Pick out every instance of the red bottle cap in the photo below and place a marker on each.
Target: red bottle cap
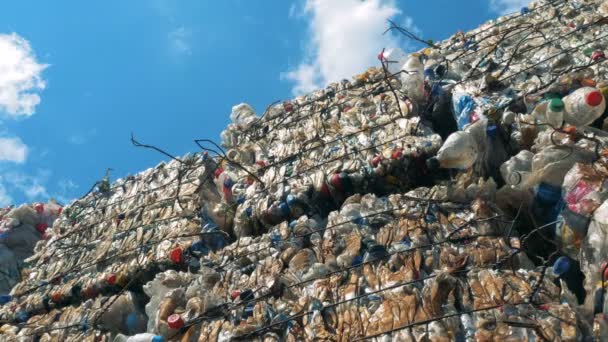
(336, 182)
(260, 163)
(545, 307)
(39, 207)
(594, 98)
(111, 279)
(218, 172)
(175, 321)
(41, 227)
(381, 56)
(56, 297)
(376, 161)
(176, 255)
(234, 295)
(325, 190)
(397, 154)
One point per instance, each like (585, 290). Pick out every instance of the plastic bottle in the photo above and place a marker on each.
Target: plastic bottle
(144, 337)
(517, 169)
(583, 106)
(555, 113)
(459, 151)
(412, 78)
(394, 59)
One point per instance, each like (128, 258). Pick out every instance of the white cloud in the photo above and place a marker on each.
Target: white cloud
(81, 138)
(20, 76)
(346, 38)
(66, 191)
(5, 198)
(33, 187)
(179, 41)
(13, 149)
(507, 6)
(305, 78)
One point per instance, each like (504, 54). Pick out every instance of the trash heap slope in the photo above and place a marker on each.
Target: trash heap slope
(456, 193)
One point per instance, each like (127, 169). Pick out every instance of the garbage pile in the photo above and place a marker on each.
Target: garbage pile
(455, 193)
(20, 229)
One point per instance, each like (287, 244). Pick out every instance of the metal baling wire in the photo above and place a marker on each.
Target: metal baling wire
(388, 211)
(354, 87)
(120, 201)
(391, 287)
(376, 83)
(223, 156)
(338, 139)
(74, 268)
(499, 23)
(198, 234)
(464, 53)
(581, 28)
(373, 261)
(177, 198)
(539, 227)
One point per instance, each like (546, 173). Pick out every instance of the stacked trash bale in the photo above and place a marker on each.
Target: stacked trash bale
(20, 229)
(109, 242)
(451, 194)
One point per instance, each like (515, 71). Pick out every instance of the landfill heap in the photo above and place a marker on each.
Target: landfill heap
(456, 193)
(20, 229)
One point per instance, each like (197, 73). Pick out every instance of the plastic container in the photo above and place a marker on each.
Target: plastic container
(516, 170)
(412, 78)
(583, 106)
(394, 59)
(555, 113)
(459, 151)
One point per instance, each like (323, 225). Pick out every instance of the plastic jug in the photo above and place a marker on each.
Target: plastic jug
(459, 151)
(412, 78)
(517, 169)
(583, 106)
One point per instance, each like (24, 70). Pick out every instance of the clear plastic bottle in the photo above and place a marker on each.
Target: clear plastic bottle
(394, 59)
(412, 78)
(583, 106)
(517, 169)
(144, 337)
(459, 151)
(555, 113)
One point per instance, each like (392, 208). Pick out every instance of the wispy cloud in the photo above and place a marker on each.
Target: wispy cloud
(20, 86)
(180, 41)
(80, 138)
(66, 191)
(346, 38)
(20, 76)
(13, 150)
(507, 6)
(33, 187)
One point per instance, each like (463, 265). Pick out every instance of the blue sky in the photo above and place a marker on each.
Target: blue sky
(77, 77)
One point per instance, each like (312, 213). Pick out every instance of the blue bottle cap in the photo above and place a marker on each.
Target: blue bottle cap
(5, 299)
(158, 338)
(284, 209)
(291, 200)
(492, 131)
(22, 316)
(228, 183)
(561, 265)
(524, 10)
